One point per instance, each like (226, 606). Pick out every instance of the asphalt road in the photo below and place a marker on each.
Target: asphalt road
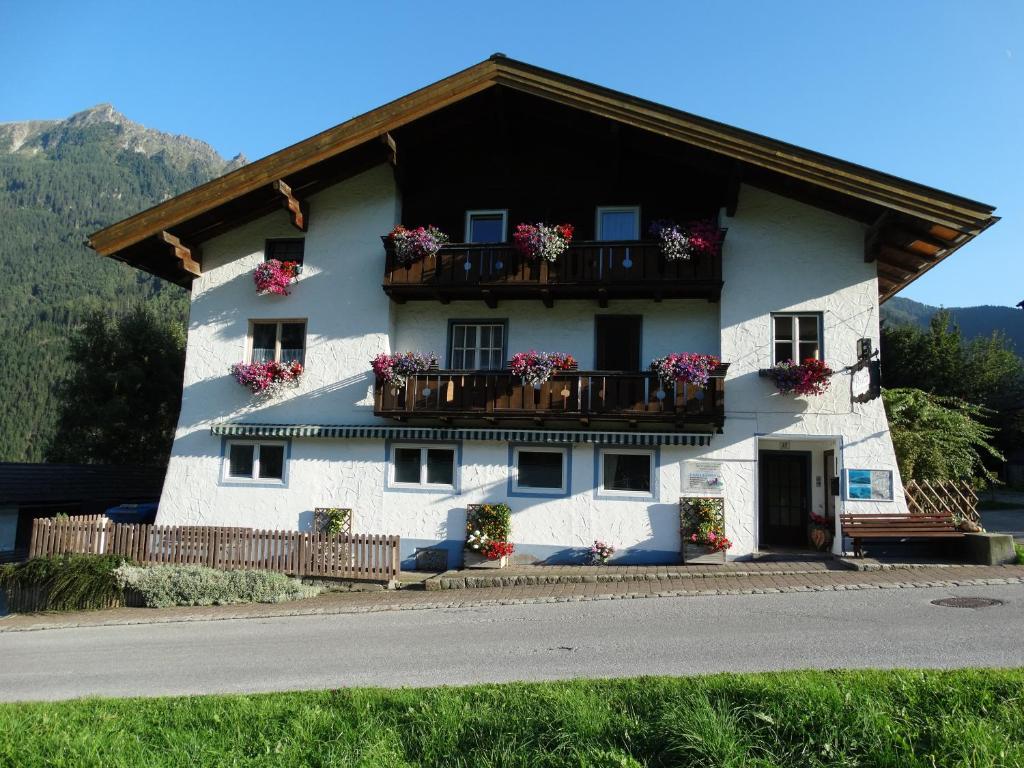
(672, 636)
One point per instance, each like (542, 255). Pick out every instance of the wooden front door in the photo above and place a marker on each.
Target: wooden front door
(785, 498)
(618, 340)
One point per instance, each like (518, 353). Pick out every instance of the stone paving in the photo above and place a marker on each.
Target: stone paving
(741, 579)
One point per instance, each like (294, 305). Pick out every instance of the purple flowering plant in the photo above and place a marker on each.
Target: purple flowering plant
(395, 368)
(689, 367)
(414, 244)
(269, 379)
(600, 552)
(683, 241)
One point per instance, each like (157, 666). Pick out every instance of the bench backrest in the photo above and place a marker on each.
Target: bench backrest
(936, 522)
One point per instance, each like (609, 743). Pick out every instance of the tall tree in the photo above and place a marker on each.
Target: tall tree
(121, 399)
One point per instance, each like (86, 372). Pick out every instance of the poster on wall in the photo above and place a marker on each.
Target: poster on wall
(869, 484)
(703, 478)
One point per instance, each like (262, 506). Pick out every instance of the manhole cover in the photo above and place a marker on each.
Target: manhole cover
(966, 602)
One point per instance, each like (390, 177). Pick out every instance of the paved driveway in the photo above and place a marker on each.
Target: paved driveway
(603, 638)
(1005, 521)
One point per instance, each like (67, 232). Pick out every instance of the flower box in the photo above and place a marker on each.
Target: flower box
(811, 377)
(695, 554)
(471, 559)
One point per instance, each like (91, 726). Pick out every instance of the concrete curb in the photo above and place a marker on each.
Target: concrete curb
(471, 603)
(462, 580)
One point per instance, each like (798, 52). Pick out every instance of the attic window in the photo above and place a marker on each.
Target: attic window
(486, 226)
(285, 249)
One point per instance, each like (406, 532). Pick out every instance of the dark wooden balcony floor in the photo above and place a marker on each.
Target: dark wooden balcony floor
(596, 270)
(579, 399)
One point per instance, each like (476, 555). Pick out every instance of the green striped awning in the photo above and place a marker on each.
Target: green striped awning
(370, 432)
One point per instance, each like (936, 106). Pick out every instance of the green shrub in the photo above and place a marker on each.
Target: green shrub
(1020, 553)
(162, 586)
(494, 520)
(67, 582)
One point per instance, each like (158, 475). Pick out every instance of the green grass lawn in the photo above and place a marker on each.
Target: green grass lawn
(898, 719)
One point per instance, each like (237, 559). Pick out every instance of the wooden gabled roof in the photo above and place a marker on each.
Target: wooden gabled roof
(916, 227)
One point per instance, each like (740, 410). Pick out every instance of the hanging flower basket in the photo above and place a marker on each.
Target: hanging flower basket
(811, 377)
(394, 369)
(540, 241)
(688, 367)
(681, 241)
(536, 367)
(273, 276)
(411, 245)
(266, 380)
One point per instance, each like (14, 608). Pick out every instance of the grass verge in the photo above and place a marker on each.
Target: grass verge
(849, 718)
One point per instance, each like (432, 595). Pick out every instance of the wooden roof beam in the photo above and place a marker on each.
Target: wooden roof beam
(894, 272)
(188, 258)
(299, 209)
(904, 258)
(905, 237)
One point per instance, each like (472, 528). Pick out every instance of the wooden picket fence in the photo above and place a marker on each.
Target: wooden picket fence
(344, 556)
(941, 498)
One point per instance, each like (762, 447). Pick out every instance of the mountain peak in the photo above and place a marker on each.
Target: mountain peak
(101, 113)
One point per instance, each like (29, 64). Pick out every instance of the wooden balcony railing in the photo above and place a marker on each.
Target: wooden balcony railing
(595, 270)
(578, 396)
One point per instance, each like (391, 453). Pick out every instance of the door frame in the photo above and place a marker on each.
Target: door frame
(640, 339)
(808, 461)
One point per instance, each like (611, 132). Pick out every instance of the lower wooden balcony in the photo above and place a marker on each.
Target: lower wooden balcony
(578, 399)
(604, 270)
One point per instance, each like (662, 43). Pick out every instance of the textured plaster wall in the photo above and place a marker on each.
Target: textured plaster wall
(779, 256)
(670, 326)
(348, 319)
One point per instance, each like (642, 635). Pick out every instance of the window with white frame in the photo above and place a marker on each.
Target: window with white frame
(619, 222)
(425, 466)
(477, 346)
(278, 340)
(796, 337)
(626, 471)
(255, 461)
(487, 226)
(539, 470)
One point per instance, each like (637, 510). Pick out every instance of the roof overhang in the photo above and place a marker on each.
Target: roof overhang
(926, 223)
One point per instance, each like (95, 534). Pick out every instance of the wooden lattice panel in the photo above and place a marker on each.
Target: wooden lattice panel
(942, 498)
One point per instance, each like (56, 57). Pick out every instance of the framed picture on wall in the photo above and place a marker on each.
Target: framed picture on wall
(869, 485)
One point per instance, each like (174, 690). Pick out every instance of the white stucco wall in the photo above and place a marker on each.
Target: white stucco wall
(348, 320)
(779, 256)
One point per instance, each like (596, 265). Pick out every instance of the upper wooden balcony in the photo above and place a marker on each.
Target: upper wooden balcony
(569, 398)
(629, 269)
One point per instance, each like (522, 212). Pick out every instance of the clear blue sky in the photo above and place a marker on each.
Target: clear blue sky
(929, 90)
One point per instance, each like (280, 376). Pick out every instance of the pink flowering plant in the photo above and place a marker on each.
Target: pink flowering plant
(600, 552)
(680, 241)
(535, 367)
(394, 369)
(704, 524)
(414, 244)
(541, 241)
(688, 367)
(811, 377)
(274, 276)
(266, 380)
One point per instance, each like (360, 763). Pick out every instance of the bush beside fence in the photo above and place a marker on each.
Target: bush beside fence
(356, 556)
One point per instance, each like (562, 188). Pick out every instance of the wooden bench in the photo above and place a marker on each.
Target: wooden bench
(869, 526)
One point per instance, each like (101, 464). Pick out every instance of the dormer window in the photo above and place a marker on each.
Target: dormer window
(487, 226)
(618, 222)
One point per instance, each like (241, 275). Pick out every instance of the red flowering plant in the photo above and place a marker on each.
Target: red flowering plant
(688, 367)
(411, 245)
(704, 524)
(274, 276)
(268, 379)
(488, 527)
(394, 369)
(681, 241)
(536, 367)
(541, 241)
(811, 377)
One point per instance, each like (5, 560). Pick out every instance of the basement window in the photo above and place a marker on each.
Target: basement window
(428, 467)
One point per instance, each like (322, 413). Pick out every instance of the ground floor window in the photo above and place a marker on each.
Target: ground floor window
(252, 461)
(540, 470)
(626, 471)
(422, 466)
